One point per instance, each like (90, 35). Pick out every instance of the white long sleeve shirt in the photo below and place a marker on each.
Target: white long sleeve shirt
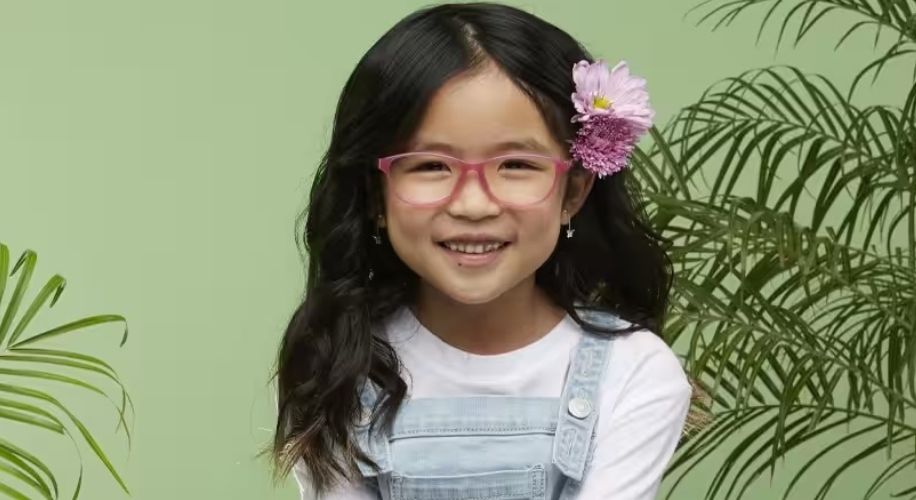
(644, 403)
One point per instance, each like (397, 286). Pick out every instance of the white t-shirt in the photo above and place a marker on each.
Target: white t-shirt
(645, 398)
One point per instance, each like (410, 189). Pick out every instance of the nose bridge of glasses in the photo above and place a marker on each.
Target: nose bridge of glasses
(476, 166)
(479, 183)
(469, 193)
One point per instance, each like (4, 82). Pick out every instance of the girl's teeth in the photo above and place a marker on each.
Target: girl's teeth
(473, 248)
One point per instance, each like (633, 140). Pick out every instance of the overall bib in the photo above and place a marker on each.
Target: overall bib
(493, 447)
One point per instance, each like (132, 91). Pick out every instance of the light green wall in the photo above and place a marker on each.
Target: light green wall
(156, 154)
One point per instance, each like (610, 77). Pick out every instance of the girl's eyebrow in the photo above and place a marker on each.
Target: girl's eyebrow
(529, 144)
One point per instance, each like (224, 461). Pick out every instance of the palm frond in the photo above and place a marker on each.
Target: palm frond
(792, 324)
(778, 322)
(792, 279)
(793, 234)
(798, 139)
(801, 16)
(29, 361)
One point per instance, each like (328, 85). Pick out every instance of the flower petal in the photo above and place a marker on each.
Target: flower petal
(580, 70)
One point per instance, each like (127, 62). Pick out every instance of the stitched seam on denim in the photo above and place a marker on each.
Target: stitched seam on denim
(473, 429)
(589, 366)
(399, 495)
(509, 435)
(538, 479)
(385, 459)
(571, 488)
(566, 445)
(536, 486)
(488, 497)
(377, 447)
(396, 488)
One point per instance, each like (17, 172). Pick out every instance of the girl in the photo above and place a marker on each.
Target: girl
(483, 288)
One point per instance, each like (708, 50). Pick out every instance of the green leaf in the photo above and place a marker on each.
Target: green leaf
(51, 291)
(99, 453)
(87, 363)
(79, 484)
(28, 464)
(27, 264)
(83, 431)
(4, 268)
(12, 493)
(75, 326)
(18, 474)
(889, 472)
(28, 414)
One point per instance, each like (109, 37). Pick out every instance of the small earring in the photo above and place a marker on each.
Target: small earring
(377, 238)
(569, 229)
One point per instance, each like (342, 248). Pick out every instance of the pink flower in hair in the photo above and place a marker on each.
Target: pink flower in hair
(614, 112)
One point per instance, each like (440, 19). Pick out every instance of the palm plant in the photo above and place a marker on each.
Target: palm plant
(792, 214)
(29, 364)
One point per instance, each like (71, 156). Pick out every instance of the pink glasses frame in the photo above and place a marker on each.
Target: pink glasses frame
(384, 164)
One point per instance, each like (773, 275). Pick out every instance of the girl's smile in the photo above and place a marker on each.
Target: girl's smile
(474, 250)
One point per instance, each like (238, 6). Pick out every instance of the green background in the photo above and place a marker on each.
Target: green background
(156, 153)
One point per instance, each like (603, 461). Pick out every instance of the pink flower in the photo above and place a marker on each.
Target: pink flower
(614, 112)
(604, 144)
(600, 92)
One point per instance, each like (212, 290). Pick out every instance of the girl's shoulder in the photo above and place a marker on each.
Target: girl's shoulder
(639, 353)
(631, 337)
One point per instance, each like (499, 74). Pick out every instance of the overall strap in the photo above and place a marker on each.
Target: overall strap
(374, 444)
(579, 405)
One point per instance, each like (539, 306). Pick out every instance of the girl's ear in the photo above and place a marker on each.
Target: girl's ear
(578, 187)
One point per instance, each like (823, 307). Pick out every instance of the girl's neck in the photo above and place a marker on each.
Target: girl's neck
(517, 318)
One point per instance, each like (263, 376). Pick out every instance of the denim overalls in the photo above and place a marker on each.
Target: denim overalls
(492, 447)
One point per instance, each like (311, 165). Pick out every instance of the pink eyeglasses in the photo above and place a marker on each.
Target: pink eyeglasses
(512, 180)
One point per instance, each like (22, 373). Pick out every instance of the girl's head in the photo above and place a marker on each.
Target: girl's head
(478, 240)
(484, 87)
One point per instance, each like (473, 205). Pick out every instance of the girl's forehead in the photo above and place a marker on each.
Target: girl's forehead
(482, 112)
(492, 147)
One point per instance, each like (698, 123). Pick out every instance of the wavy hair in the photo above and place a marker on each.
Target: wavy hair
(331, 348)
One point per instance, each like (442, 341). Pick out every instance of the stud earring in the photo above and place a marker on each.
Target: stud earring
(569, 229)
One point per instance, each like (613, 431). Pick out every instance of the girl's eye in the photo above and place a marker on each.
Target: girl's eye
(516, 165)
(431, 166)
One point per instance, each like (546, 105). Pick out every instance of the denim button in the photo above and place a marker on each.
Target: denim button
(579, 408)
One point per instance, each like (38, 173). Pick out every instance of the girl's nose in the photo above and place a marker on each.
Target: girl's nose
(472, 200)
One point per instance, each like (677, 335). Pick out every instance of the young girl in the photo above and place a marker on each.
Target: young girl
(484, 297)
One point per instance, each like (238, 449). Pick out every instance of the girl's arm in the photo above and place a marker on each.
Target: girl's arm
(638, 431)
(350, 491)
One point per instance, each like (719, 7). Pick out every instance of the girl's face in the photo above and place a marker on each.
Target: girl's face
(471, 248)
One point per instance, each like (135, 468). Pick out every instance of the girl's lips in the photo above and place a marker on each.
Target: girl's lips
(473, 247)
(478, 255)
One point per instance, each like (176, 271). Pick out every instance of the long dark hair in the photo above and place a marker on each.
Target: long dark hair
(330, 348)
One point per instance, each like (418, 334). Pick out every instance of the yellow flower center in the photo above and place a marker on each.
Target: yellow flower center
(602, 102)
